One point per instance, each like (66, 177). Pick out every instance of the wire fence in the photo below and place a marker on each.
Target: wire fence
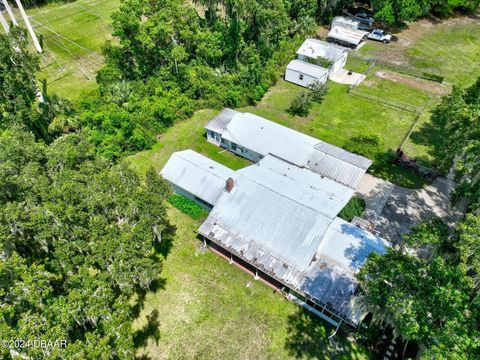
(402, 69)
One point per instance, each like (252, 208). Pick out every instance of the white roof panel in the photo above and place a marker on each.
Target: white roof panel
(263, 136)
(268, 221)
(197, 174)
(349, 245)
(314, 48)
(306, 187)
(305, 68)
(220, 122)
(348, 35)
(334, 168)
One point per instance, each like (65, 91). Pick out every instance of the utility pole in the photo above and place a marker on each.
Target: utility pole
(4, 23)
(29, 25)
(10, 12)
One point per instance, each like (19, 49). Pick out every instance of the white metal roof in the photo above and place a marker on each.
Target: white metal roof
(334, 168)
(306, 68)
(267, 137)
(197, 174)
(314, 48)
(263, 136)
(350, 36)
(301, 185)
(280, 234)
(220, 122)
(268, 221)
(350, 245)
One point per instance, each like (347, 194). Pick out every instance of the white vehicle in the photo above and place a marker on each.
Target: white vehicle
(380, 35)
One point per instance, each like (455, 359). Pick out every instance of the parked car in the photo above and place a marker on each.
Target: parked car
(380, 35)
(365, 19)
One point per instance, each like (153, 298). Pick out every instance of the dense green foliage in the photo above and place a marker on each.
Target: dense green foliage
(17, 82)
(77, 243)
(458, 118)
(431, 301)
(354, 207)
(300, 104)
(187, 206)
(397, 12)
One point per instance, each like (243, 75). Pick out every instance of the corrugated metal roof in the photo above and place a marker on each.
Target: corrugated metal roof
(348, 35)
(197, 174)
(305, 68)
(349, 245)
(220, 122)
(344, 155)
(335, 169)
(267, 137)
(268, 221)
(263, 136)
(304, 186)
(314, 48)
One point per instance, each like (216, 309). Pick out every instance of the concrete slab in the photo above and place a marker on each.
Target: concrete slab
(375, 192)
(408, 207)
(341, 76)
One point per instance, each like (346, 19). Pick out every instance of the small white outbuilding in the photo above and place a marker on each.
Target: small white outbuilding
(305, 74)
(324, 54)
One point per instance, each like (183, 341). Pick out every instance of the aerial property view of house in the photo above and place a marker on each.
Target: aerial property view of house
(278, 216)
(239, 180)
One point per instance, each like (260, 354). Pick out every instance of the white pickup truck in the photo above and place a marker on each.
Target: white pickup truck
(380, 35)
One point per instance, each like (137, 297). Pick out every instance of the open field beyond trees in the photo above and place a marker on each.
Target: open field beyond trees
(73, 35)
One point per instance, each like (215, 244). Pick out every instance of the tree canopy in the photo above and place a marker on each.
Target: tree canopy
(458, 117)
(78, 241)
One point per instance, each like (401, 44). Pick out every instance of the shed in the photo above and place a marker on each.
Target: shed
(346, 37)
(305, 74)
(321, 53)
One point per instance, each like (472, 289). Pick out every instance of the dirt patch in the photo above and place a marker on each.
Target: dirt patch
(88, 65)
(421, 84)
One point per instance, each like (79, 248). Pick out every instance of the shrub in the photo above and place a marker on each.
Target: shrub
(319, 91)
(355, 207)
(187, 206)
(301, 104)
(369, 146)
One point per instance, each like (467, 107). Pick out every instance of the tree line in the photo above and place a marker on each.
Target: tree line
(433, 299)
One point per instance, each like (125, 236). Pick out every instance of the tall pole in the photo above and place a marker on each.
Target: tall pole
(29, 26)
(10, 12)
(4, 23)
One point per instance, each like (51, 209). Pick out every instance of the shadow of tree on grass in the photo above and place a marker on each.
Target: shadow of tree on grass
(308, 339)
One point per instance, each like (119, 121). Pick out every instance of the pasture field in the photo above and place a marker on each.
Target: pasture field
(73, 35)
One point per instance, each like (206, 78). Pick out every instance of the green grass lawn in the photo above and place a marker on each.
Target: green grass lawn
(187, 134)
(73, 34)
(342, 116)
(210, 309)
(450, 48)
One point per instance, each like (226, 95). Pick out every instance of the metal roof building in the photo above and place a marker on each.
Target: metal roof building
(314, 49)
(197, 175)
(261, 136)
(346, 37)
(286, 229)
(279, 215)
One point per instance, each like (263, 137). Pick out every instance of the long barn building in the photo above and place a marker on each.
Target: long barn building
(278, 216)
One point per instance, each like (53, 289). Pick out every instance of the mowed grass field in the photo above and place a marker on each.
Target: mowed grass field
(447, 47)
(73, 35)
(210, 309)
